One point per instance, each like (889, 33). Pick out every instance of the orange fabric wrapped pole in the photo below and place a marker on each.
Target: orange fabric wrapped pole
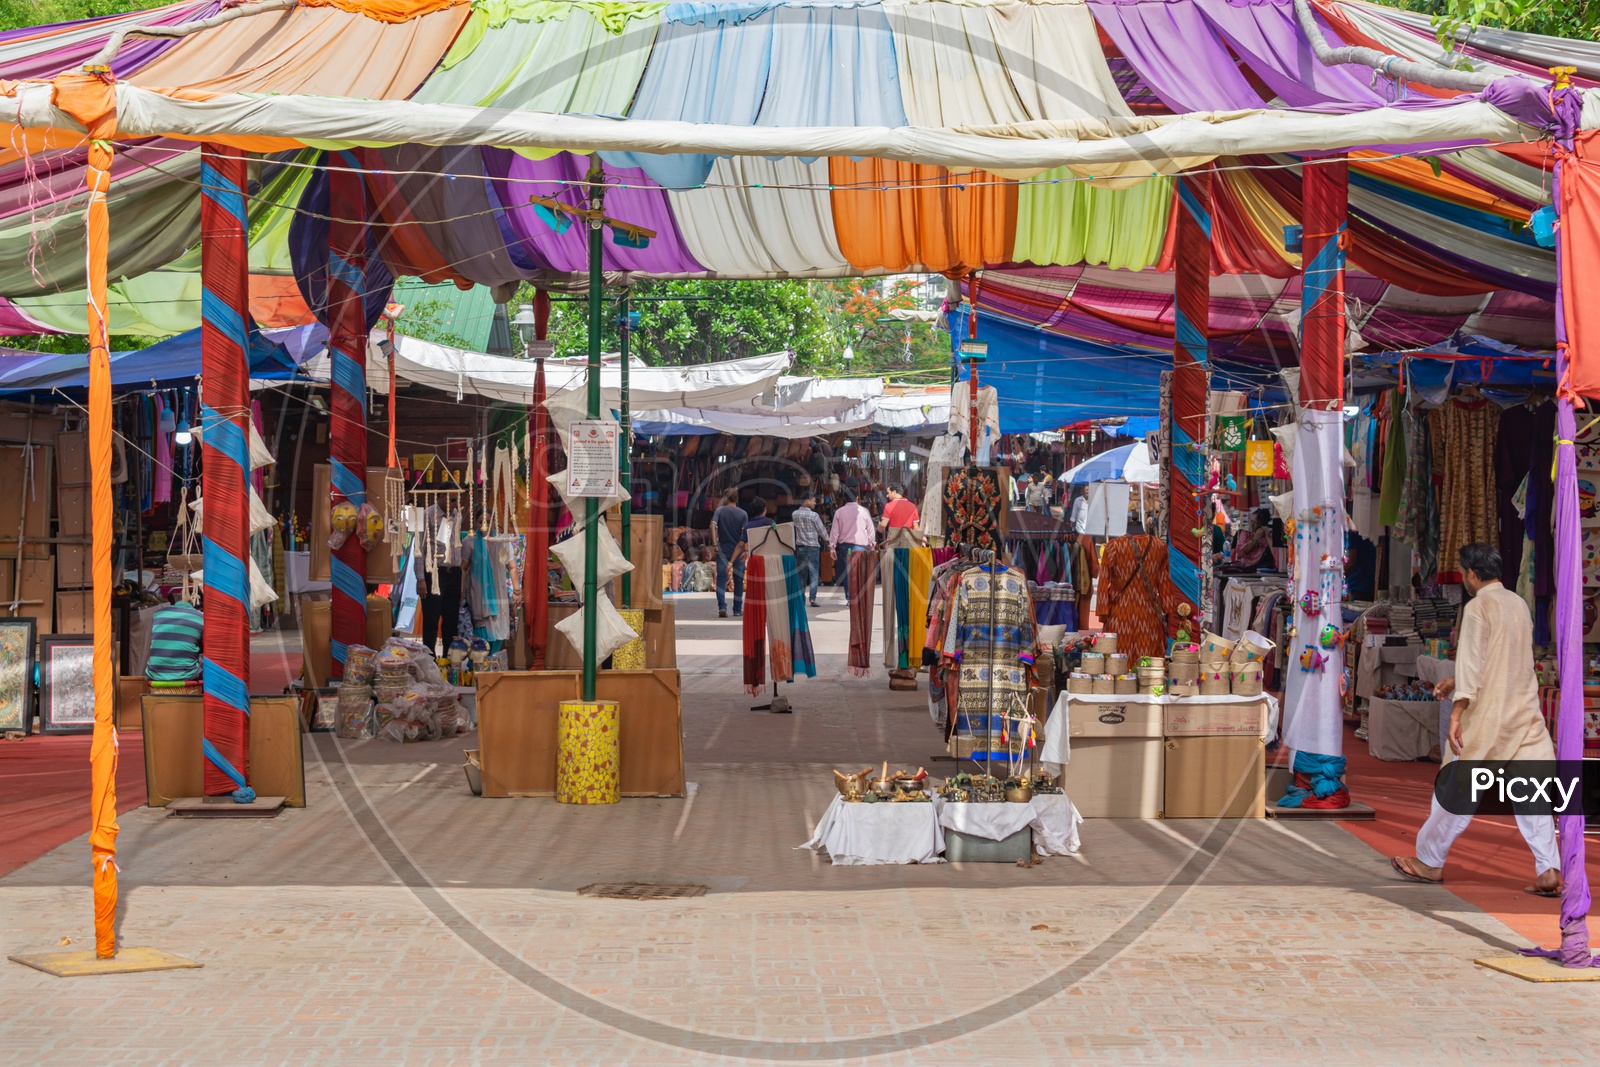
(91, 99)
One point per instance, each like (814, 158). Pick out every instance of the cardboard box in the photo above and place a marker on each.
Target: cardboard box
(37, 592)
(72, 511)
(72, 567)
(1115, 771)
(25, 481)
(72, 458)
(1202, 719)
(1213, 777)
(75, 611)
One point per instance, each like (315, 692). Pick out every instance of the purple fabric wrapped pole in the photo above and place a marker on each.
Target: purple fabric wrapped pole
(1574, 950)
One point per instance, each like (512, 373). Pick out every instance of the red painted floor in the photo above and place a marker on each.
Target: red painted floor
(44, 793)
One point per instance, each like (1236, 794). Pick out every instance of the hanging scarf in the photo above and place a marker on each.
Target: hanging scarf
(755, 626)
(776, 593)
(921, 578)
(804, 656)
(161, 487)
(902, 607)
(863, 578)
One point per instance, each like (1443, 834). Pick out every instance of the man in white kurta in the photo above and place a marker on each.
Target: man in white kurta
(1495, 716)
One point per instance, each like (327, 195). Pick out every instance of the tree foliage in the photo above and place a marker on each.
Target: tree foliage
(1454, 21)
(18, 13)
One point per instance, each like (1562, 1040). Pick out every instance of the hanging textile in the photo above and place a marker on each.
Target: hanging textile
(1513, 452)
(755, 626)
(895, 565)
(1137, 597)
(1418, 522)
(921, 576)
(803, 654)
(1464, 434)
(1394, 460)
(774, 590)
(992, 639)
(973, 499)
(863, 578)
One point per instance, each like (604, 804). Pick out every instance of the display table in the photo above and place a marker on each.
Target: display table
(1402, 730)
(857, 834)
(1056, 752)
(297, 574)
(1051, 815)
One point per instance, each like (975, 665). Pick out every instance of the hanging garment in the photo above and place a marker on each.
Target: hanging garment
(973, 500)
(1136, 590)
(863, 578)
(895, 568)
(921, 580)
(1418, 521)
(992, 639)
(1394, 462)
(802, 653)
(1464, 433)
(774, 590)
(755, 627)
(1513, 453)
(1085, 569)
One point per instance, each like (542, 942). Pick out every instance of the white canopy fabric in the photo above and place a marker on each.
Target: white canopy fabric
(453, 370)
(1014, 149)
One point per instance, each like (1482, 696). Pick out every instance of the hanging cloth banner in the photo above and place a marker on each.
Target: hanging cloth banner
(1232, 431)
(1258, 459)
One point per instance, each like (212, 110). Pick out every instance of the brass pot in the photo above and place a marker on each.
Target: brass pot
(1019, 794)
(852, 785)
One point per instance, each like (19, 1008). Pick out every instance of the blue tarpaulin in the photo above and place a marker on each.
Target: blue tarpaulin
(171, 364)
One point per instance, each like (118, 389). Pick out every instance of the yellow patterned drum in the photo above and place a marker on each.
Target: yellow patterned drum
(587, 752)
(630, 657)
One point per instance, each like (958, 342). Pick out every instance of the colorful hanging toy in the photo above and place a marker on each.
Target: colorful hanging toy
(1312, 660)
(1311, 602)
(1332, 636)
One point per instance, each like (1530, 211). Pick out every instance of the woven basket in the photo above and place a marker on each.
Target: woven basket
(1152, 675)
(1182, 689)
(1214, 647)
(1252, 648)
(1184, 673)
(1152, 690)
(1214, 687)
(1246, 681)
(1104, 684)
(1080, 683)
(1154, 662)
(1126, 685)
(1185, 654)
(1117, 663)
(1107, 644)
(1092, 663)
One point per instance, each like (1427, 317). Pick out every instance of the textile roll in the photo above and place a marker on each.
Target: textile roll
(1191, 383)
(588, 759)
(630, 657)
(224, 417)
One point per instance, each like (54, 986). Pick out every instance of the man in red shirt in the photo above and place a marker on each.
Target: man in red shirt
(898, 511)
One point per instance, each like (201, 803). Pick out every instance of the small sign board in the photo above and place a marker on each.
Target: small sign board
(592, 459)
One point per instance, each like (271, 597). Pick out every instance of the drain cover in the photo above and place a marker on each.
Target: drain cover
(641, 891)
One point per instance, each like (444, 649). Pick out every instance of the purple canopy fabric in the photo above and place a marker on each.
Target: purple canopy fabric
(1267, 37)
(634, 198)
(80, 47)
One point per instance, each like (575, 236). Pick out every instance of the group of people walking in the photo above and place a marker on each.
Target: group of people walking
(853, 528)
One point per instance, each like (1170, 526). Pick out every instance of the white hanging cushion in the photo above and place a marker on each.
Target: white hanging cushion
(261, 591)
(260, 517)
(609, 561)
(610, 631)
(575, 504)
(260, 454)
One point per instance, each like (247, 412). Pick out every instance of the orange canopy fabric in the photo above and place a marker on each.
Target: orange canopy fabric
(388, 10)
(1579, 234)
(931, 217)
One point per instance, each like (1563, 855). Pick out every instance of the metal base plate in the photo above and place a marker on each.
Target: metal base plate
(1356, 812)
(1538, 969)
(80, 962)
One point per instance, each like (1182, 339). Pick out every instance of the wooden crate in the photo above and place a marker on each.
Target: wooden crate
(174, 760)
(645, 557)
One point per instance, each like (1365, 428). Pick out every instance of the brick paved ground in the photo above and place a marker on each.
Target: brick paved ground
(399, 920)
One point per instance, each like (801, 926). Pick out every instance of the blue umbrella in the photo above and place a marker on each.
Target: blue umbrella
(1106, 467)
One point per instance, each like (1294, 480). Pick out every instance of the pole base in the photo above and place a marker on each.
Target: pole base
(82, 962)
(1539, 969)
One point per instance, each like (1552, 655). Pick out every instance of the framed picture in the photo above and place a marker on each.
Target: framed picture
(16, 675)
(325, 713)
(66, 684)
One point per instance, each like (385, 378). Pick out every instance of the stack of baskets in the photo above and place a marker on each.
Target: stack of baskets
(1092, 663)
(1215, 679)
(1126, 684)
(1104, 685)
(1247, 664)
(1106, 644)
(1183, 672)
(1152, 674)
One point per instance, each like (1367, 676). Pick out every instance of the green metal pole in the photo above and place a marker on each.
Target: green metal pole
(625, 460)
(591, 507)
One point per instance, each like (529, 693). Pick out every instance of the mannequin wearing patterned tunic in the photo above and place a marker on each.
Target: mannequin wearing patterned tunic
(991, 637)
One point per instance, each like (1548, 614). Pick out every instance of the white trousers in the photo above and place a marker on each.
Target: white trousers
(1442, 829)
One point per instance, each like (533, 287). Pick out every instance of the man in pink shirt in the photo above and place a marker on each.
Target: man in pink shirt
(852, 531)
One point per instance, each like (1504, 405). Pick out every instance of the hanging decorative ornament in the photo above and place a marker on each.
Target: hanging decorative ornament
(1311, 602)
(344, 519)
(1331, 636)
(1312, 660)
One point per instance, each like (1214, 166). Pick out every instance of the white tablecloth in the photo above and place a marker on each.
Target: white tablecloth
(1056, 752)
(862, 834)
(1053, 818)
(297, 573)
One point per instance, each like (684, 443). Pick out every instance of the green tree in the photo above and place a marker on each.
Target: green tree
(859, 311)
(1455, 20)
(17, 13)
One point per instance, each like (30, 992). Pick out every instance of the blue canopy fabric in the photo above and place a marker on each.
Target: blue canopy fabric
(170, 364)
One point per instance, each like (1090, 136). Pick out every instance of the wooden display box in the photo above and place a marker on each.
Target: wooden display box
(660, 640)
(25, 483)
(517, 713)
(131, 689)
(1115, 771)
(645, 556)
(1223, 776)
(174, 763)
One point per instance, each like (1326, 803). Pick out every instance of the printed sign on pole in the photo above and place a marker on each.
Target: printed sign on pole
(592, 459)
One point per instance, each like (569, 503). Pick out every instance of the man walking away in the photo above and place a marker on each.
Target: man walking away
(852, 532)
(727, 522)
(899, 511)
(1495, 717)
(809, 533)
